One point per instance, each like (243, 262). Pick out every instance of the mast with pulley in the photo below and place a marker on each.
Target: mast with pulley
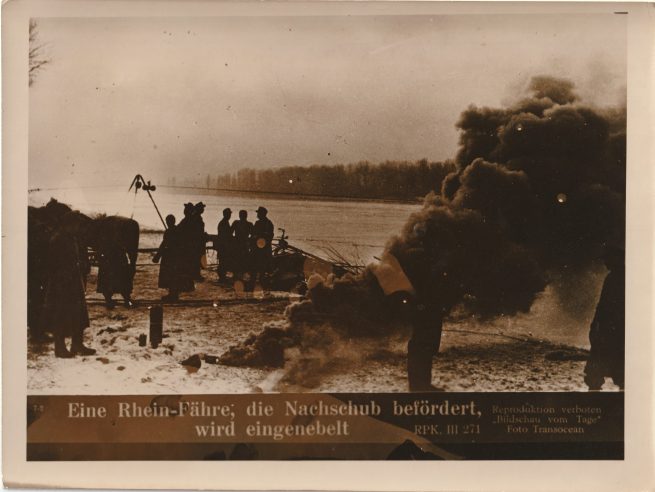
(140, 183)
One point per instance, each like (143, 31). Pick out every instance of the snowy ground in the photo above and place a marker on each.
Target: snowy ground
(473, 357)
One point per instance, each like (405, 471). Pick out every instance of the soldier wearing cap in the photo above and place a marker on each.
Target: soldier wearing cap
(224, 244)
(242, 230)
(187, 253)
(262, 251)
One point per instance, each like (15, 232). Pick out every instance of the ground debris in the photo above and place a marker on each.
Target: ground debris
(568, 353)
(109, 329)
(192, 363)
(263, 350)
(194, 360)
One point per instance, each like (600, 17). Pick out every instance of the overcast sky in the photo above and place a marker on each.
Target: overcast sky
(182, 97)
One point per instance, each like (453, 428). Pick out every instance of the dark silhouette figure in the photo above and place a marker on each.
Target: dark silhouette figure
(423, 346)
(224, 245)
(116, 242)
(425, 316)
(426, 322)
(242, 230)
(199, 240)
(171, 271)
(188, 260)
(114, 273)
(262, 247)
(607, 332)
(65, 304)
(39, 233)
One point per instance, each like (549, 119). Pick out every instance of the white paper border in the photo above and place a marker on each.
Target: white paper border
(634, 473)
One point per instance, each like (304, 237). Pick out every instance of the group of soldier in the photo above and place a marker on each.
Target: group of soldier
(243, 248)
(181, 252)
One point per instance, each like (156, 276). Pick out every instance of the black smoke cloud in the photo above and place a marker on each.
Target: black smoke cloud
(538, 193)
(571, 157)
(559, 91)
(453, 254)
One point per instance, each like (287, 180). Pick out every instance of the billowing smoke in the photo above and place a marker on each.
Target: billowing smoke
(342, 321)
(538, 194)
(548, 170)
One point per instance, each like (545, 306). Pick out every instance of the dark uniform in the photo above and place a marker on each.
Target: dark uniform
(65, 309)
(607, 332)
(199, 239)
(426, 321)
(262, 246)
(224, 246)
(38, 234)
(114, 273)
(424, 315)
(172, 274)
(188, 259)
(242, 233)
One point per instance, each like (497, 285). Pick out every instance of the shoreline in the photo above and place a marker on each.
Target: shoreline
(284, 196)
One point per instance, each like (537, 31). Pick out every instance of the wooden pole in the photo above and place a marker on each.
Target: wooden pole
(156, 325)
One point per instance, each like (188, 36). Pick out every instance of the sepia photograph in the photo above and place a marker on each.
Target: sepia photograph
(326, 204)
(272, 245)
(281, 245)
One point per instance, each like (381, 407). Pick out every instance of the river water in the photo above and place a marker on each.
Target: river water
(358, 230)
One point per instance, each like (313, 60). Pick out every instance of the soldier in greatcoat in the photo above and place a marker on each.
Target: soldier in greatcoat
(224, 245)
(172, 274)
(242, 229)
(65, 311)
(188, 258)
(114, 273)
(607, 331)
(262, 246)
(424, 315)
(199, 240)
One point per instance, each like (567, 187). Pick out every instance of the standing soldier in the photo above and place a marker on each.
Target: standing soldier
(224, 245)
(262, 246)
(242, 229)
(424, 316)
(39, 233)
(114, 273)
(187, 259)
(171, 270)
(65, 303)
(426, 320)
(607, 333)
(199, 240)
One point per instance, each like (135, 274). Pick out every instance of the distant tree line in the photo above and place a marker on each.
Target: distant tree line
(400, 180)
